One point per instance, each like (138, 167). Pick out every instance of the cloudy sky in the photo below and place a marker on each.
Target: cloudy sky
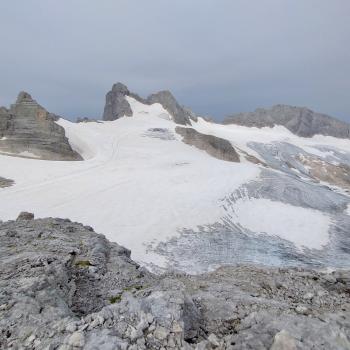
(217, 56)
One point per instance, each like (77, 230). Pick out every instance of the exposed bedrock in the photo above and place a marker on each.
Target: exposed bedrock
(5, 182)
(299, 120)
(117, 105)
(62, 286)
(167, 100)
(213, 145)
(28, 130)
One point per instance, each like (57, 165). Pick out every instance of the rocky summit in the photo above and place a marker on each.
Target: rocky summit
(28, 130)
(63, 286)
(299, 120)
(117, 105)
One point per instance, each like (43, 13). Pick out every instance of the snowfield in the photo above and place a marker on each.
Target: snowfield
(140, 184)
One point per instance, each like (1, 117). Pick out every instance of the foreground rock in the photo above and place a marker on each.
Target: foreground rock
(213, 145)
(117, 105)
(28, 130)
(62, 286)
(299, 120)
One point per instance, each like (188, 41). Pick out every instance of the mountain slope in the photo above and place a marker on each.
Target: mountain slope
(173, 204)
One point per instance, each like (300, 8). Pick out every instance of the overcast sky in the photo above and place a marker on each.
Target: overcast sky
(216, 56)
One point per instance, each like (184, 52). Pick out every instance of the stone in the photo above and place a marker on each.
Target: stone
(161, 333)
(283, 341)
(303, 310)
(5, 182)
(29, 130)
(213, 340)
(25, 216)
(77, 340)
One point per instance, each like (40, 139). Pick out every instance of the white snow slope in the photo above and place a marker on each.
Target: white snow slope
(138, 190)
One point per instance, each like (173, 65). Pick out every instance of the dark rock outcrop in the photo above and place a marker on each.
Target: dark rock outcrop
(213, 145)
(117, 105)
(62, 286)
(28, 130)
(5, 182)
(300, 121)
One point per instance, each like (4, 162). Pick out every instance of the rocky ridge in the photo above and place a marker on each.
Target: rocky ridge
(28, 130)
(300, 121)
(117, 105)
(62, 286)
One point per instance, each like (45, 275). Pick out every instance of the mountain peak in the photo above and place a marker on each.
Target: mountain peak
(120, 88)
(24, 97)
(117, 105)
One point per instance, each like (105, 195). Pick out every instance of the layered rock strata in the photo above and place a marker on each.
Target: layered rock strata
(28, 130)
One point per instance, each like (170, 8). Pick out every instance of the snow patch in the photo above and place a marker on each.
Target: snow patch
(304, 227)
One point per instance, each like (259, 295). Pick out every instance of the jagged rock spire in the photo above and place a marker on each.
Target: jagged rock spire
(117, 105)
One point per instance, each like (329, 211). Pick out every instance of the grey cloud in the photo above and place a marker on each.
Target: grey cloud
(218, 57)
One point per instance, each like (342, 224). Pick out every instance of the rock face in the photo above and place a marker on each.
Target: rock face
(28, 130)
(117, 105)
(299, 120)
(62, 286)
(167, 100)
(213, 145)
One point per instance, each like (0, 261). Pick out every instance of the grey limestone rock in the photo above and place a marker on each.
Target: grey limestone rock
(28, 130)
(24, 215)
(63, 286)
(213, 145)
(299, 120)
(5, 182)
(117, 105)
(167, 100)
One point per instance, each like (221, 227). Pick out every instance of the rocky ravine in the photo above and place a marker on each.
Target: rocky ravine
(28, 130)
(62, 286)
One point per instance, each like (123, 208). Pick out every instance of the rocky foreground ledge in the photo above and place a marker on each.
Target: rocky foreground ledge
(62, 286)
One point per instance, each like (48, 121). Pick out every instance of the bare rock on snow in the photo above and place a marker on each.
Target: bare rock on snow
(28, 130)
(117, 105)
(213, 145)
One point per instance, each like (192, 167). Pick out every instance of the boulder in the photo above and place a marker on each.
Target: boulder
(24, 215)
